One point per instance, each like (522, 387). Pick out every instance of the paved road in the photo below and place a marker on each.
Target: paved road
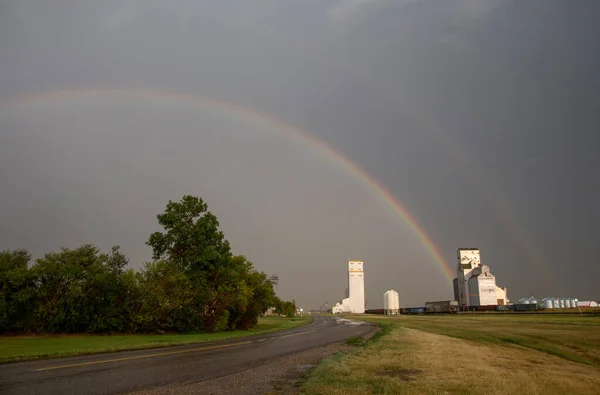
(135, 370)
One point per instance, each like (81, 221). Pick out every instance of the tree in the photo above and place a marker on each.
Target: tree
(263, 294)
(289, 309)
(80, 290)
(193, 284)
(16, 291)
(163, 290)
(285, 307)
(109, 301)
(192, 238)
(255, 292)
(193, 242)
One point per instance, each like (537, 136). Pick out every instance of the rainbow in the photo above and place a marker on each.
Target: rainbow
(247, 114)
(457, 154)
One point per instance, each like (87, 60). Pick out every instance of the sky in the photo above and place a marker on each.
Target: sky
(480, 118)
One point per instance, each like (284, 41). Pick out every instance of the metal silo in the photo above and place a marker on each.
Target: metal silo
(574, 302)
(568, 303)
(524, 301)
(555, 303)
(391, 302)
(562, 303)
(533, 300)
(547, 303)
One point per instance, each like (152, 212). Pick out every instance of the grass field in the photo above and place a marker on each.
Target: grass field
(463, 354)
(18, 348)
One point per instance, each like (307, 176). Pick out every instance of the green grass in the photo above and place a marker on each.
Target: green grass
(19, 348)
(468, 354)
(355, 341)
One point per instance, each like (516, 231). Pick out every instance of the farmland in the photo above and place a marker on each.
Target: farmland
(469, 354)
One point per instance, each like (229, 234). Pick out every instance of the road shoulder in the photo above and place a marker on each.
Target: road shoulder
(280, 376)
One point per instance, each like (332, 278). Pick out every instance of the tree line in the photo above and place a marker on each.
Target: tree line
(193, 284)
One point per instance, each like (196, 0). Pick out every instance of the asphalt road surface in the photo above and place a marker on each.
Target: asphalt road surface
(136, 370)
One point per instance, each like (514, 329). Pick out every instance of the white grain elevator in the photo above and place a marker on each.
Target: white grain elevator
(356, 286)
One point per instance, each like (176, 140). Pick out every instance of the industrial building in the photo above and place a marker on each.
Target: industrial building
(391, 303)
(587, 303)
(355, 293)
(475, 285)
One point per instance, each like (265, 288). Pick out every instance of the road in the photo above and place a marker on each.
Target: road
(136, 370)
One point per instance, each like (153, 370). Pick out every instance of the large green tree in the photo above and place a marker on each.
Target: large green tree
(193, 242)
(191, 236)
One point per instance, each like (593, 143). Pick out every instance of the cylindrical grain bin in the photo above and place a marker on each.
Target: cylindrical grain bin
(556, 303)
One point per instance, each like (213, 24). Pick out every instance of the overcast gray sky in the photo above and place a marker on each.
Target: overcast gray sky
(481, 117)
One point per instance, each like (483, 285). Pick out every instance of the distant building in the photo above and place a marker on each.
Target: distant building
(337, 309)
(475, 285)
(271, 311)
(502, 296)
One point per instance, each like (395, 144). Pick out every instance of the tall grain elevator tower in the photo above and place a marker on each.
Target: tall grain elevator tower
(356, 286)
(468, 260)
(475, 285)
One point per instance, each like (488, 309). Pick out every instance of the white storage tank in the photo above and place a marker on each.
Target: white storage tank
(562, 303)
(568, 303)
(524, 301)
(391, 302)
(547, 303)
(574, 303)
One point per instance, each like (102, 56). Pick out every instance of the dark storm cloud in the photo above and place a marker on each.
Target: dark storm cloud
(512, 85)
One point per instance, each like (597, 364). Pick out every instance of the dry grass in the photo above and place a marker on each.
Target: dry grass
(409, 361)
(575, 338)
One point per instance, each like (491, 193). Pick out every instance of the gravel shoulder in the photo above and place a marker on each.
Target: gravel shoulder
(277, 377)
